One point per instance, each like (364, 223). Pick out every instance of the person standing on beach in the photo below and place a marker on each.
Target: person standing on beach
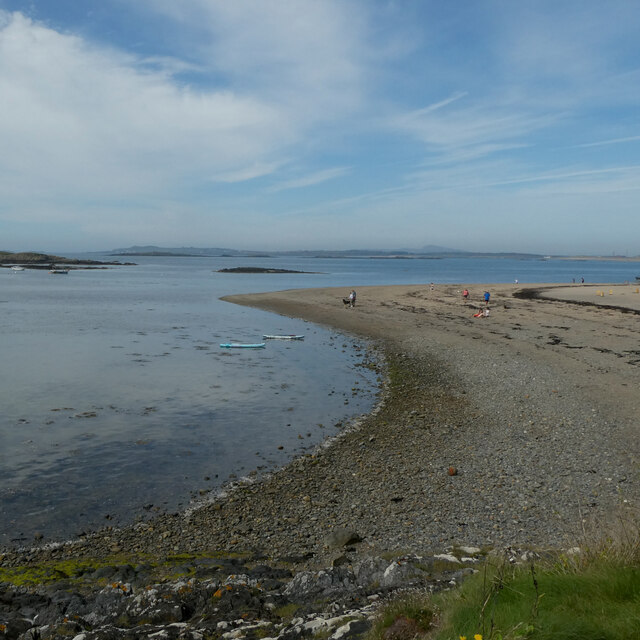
(352, 298)
(465, 295)
(487, 295)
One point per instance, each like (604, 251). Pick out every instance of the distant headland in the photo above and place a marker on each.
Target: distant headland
(34, 260)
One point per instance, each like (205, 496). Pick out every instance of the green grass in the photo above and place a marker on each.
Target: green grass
(592, 595)
(597, 602)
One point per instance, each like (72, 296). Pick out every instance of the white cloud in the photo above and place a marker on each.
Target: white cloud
(81, 123)
(85, 125)
(310, 57)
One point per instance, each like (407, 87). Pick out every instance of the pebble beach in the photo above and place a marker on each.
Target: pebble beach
(517, 429)
(509, 436)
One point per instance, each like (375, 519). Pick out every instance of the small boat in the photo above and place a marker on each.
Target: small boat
(17, 268)
(285, 337)
(58, 270)
(242, 345)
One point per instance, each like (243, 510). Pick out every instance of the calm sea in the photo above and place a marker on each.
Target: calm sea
(117, 400)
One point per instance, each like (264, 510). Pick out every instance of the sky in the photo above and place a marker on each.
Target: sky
(478, 125)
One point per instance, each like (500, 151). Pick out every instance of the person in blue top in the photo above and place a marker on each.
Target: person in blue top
(487, 295)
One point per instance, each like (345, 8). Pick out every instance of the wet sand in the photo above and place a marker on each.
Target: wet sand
(621, 296)
(518, 429)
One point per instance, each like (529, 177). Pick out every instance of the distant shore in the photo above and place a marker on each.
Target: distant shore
(32, 260)
(516, 429)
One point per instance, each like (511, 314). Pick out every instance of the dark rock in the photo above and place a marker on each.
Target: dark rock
(257, 270)
(352, 629)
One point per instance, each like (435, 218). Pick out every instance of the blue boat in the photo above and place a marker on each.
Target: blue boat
(240, 345)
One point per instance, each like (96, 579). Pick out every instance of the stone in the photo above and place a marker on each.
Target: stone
(470, 551)
(341, 537)
(353, 628)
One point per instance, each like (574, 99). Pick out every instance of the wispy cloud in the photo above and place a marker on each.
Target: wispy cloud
(418, 113)
(249, 172)
(471, 131)
(311, 179)
(612, 141)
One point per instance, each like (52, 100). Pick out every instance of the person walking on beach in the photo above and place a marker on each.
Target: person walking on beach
(352, 298)
(487, 295)
(465, 295)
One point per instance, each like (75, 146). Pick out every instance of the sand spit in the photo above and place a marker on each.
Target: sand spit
(509, 430)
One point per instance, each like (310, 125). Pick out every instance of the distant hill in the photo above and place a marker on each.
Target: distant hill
(424, 252)
(150, 250)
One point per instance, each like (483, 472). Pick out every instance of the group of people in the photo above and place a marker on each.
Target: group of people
(482, 313)
(487, 296)
(350, 301)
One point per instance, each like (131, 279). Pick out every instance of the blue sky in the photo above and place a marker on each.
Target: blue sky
(264, 124)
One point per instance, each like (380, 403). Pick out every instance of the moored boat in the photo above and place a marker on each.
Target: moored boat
(242, 345)
(283, 337)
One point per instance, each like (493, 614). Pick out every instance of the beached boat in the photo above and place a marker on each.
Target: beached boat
(241, 345)
(284, 337)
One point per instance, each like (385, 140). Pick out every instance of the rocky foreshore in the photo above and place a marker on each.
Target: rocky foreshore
(220, 597)
(513, 431)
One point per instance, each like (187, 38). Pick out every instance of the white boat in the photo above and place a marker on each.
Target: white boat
(17, 268)
(284, 337)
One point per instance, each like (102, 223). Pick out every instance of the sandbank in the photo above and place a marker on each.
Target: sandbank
(620, 296)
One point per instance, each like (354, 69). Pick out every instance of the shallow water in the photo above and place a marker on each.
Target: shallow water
(117, 400)
(117, 396)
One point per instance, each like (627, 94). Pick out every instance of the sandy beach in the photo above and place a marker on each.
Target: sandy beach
(516, 429)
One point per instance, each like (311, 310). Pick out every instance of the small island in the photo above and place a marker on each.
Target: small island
(259, 270)
(34, 260)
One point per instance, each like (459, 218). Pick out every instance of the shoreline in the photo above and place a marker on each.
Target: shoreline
(533, 408)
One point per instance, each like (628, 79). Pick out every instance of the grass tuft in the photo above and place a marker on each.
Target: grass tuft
(591, 593)
(404, 616)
